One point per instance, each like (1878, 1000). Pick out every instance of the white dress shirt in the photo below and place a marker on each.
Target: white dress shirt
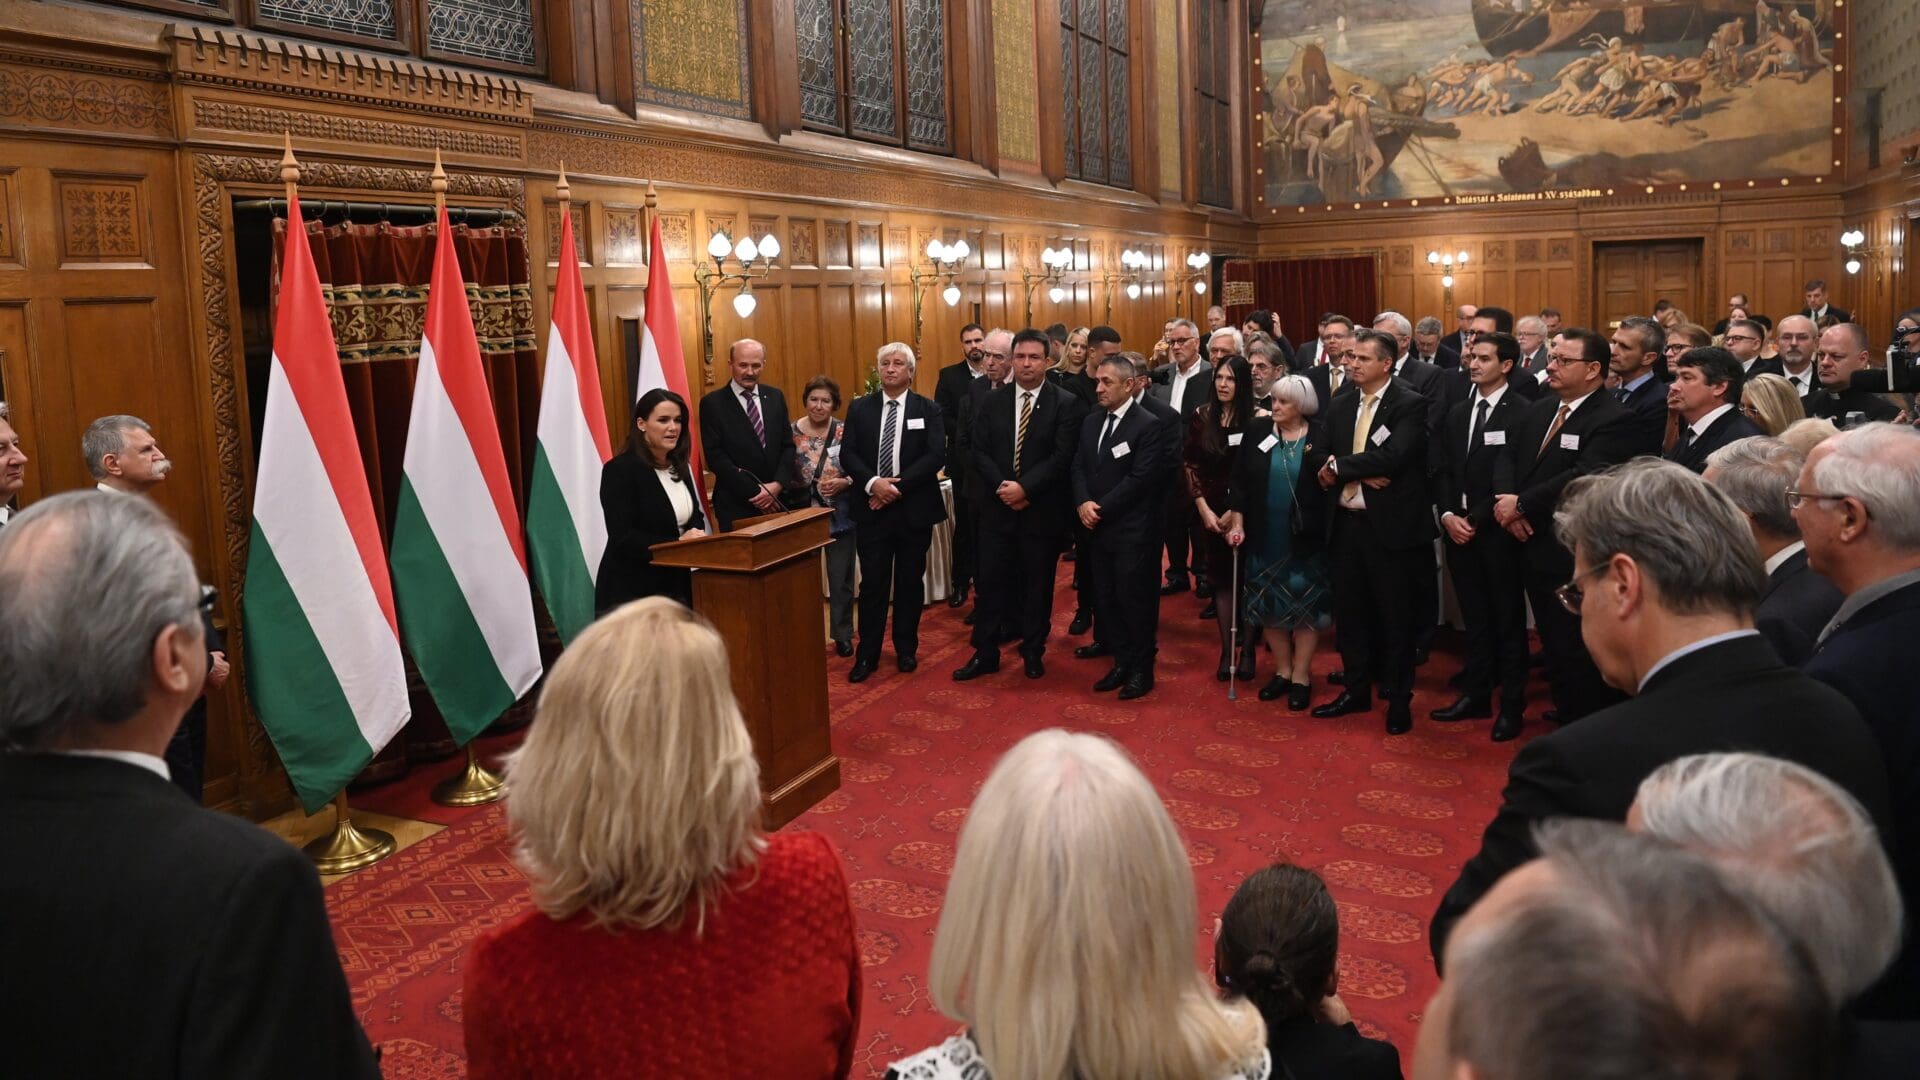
(154, 765)
(1177, 386)
(1779, 558)
(1688, 649)
(1802, 381)
(891, 466)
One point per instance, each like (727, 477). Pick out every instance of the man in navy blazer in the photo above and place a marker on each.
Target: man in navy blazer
(1798, 603)
(1705, 395)
(1120, 474)
(1858, 506)
(1638, 350)
(892, 450)
(747, 438)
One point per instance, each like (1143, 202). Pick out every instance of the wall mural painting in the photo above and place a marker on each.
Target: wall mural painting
(1498, 100)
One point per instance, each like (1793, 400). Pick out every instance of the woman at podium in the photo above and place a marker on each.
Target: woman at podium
(647, 495)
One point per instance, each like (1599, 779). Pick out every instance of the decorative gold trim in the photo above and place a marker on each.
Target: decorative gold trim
(260, 120)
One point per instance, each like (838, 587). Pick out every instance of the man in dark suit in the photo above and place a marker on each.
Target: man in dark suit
(1843, 351)
(1580, 430)
(1817, 307)
(1189, 383)
(894, 445)
(1705, 395)
(1483, 558)
(1667, 607)
(1382, 530)
(1638, 351)
(1423, 377)
(1328, 374)
(1428, 346)
(1442, 389)
(747, 438)
(1120, 474)
(1530, 373)
(1798, 344)
(1855, 503)
(143, 935)
(1744, 338)
(1023, 441)
(948, 392)
(1798, 603)
(1462, 323)
(994, 355)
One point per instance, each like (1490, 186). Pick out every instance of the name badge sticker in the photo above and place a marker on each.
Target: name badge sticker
(1121, 450)
(917, 424)
(1569, 442)
(1269, 443)
(1495, 438)
(1381, 435)
(1234, 438)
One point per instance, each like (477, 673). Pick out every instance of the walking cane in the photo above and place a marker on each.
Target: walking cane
(1233, 630)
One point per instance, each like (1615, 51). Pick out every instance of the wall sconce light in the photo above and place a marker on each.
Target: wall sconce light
(755, 259)
(1447, 262)
(942, 263)
(1198, 263)
(1133, 263)
(1859, 255)
(1054, 262)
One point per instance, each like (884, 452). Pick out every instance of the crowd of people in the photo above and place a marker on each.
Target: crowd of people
(1702, 870)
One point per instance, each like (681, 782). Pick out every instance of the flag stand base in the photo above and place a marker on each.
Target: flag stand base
(348, 847)
(474, 785)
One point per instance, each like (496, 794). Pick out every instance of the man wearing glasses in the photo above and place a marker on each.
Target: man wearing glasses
(1189, 384)
(1666, 604)
(1580, 429)
(1744, 339)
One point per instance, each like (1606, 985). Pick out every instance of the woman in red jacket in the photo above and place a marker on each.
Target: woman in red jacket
(672, 938)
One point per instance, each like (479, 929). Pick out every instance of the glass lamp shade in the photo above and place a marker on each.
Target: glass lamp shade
(935, 248)
(1853, 266)
(744, 303)
(1056, 294)
(1461, 258)
(769, 247)
(959, 250)
(1200, 288)
(719, 245)
(1446, 281)
(745, 250)
(1433, 258)
(951, 294)
(1133, 291)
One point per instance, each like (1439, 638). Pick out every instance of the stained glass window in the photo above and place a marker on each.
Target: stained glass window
(819, 53)
(1213, 104)
(1096, 82)
(483, 29)
(365, 18)
(875, 69)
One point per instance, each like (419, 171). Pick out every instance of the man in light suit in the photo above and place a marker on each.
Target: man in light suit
(1189, 384)
(143, 935)
(892, 450)
(1120, 475)
(1798, 603)
(1023, 440)
(747, 438)
(1382, 529)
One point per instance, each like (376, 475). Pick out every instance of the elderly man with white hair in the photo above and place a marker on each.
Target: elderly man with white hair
(893, 448)
(1409, 369)
(1797, 604)
(1857, 503)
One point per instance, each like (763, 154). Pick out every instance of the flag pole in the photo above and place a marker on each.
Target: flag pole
(475, 784)
(347, 847)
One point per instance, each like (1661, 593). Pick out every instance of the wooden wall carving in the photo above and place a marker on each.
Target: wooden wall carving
(261, 120)
(8, 228)
(102, 220)
(82, 101)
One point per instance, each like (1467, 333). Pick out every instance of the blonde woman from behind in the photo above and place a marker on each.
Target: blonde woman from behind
(1066, 942)
(672, 939)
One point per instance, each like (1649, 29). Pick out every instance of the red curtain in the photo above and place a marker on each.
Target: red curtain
(375, 281)
(1299, 291)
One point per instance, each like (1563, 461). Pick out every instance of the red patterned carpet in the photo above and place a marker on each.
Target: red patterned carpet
(1387, 821)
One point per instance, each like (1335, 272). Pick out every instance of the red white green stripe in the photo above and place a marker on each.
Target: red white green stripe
(323, 648)
(662, 364)
(566, 530)
(459, 568)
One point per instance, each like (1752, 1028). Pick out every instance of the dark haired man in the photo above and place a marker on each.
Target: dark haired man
(1705, 394)
(948, 392)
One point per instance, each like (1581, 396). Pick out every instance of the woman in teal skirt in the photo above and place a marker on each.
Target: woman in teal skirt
(1278, 518)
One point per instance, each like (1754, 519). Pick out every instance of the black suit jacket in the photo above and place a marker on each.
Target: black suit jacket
(1602, 436)
(1078, 383)
(1767, 365)
(1321, 377)
(1729, 426)
(145, 936)
(1531, 365)
(1129, 489)
(1463, 476)
(923, 450)
(1422, 377)
(1402, 512)
(1247, 487)
(1835, 407)
(1454, 342)
(960, 434)
(741, 462)
(1046, 458)
(948, 392)
(1648, 404)
(639, 515)
(1734, 695)
(1445, 357)
(1839, 314)
(1797, 605)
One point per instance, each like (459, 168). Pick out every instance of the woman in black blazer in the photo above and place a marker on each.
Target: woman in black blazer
(648, 496)
(1277, 515)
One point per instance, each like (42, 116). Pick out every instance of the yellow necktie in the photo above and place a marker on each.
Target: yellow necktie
(1361, 422)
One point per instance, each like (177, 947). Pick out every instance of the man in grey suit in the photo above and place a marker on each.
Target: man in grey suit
(1798, 602)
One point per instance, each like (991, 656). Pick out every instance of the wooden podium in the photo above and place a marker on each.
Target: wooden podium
(760, 587)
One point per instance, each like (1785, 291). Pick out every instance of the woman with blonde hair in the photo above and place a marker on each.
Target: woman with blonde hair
(1770, 401)
(1066, 941)
(671, 937)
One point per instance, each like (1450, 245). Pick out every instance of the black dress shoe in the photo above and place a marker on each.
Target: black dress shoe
(1035, 668)
(1399, 717)
(843, 648)
(1112, 680)
(1421, 655)
(1244, 672)
(1082, 622)
(1349, 701)
(1336, 678)
(1507, 728)
(1299, 697)
(1211, 611)
(1203, 588)
(1275, 687)
(977, 666)
(1137, 685)
(1174, 587)
(1468, 707)
(861, 669)
(1092, 651)
(908, 664)
(959, 597)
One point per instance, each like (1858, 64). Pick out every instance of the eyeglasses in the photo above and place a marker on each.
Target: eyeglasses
(1181, 340)
(1571, 595)
(1796, 497)
(1739, 337)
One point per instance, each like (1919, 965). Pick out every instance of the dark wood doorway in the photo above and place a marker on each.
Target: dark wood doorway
(1630, 277)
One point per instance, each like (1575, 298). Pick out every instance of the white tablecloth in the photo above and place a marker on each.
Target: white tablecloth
(935, 581)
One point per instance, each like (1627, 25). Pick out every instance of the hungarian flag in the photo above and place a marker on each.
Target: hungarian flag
(662, 364)
(459, 567)
(323, 646)
(566, 531)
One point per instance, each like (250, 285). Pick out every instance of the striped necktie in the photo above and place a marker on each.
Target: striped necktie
(885, 465)
(753, 416)
(1020, 433)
